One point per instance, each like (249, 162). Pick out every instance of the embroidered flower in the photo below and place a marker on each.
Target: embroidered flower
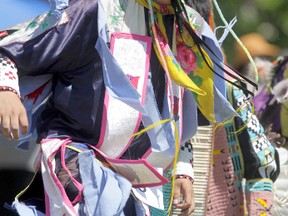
(186, 58)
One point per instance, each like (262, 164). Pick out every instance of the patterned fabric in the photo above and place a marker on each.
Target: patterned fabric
(260, 156)
(7, 88)
(30, 29)
(116, 18)
(116, 22)
(244, 165)
(185, 160)
(235, 153)
(80, 83)
(260, 203)
(254, 157)
(225, 190)
(163, 50)
(58, 6)
(8, 75)
(191, 66)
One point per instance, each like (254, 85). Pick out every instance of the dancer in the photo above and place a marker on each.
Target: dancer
(85, 99)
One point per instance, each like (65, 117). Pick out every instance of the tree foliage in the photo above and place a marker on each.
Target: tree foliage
(267, 17)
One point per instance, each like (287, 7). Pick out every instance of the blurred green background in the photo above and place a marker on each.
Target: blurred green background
(267, 17)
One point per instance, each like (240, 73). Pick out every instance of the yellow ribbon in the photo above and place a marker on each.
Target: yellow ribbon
(169, 63)
(201, 80)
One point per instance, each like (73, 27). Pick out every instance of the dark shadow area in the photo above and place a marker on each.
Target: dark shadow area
(14, 181)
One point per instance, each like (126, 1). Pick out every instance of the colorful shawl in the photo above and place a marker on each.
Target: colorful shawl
(188, 64)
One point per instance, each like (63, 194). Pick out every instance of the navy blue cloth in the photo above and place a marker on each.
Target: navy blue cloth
(68, 52)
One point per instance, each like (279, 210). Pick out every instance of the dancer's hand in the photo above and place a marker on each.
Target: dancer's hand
(184, 188)
(12, 115)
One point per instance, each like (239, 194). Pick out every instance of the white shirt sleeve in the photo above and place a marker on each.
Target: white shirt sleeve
(8, 75)
(185, 160)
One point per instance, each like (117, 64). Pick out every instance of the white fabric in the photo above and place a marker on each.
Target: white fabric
(121, 119)
(57, 206)
(184, 165)
(184, 168)
(24, 210)
(281, 185)
(134, 20)
(280, 92)
(8, 74)
(151, 196)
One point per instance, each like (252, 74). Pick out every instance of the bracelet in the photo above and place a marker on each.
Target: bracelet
(183, 176)
(7, 88)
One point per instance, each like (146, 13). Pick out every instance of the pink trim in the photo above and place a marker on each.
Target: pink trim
(181, 116)
(162, 180)
(170, 164)
(148, 41)
(56, 180)
(183, 176)
(104, 121)
(47, 203)
(79, 186)
(48, 140)
(148, 152)
(231, 71)
(8, 88)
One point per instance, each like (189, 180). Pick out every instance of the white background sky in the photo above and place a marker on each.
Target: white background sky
(15, 11)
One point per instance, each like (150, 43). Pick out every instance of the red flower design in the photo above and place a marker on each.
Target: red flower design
(186, 58)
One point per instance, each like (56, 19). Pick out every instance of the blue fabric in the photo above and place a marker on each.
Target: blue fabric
(105, 192)
(190, 120)
(161, 136)
(115, 80)
(119, 87)
(32, 114)
(58, 6)
(24, 210)
(24, 144)
(139, 209)
(222, 108)
(33, 106)
(76, 65)
(211, 40)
